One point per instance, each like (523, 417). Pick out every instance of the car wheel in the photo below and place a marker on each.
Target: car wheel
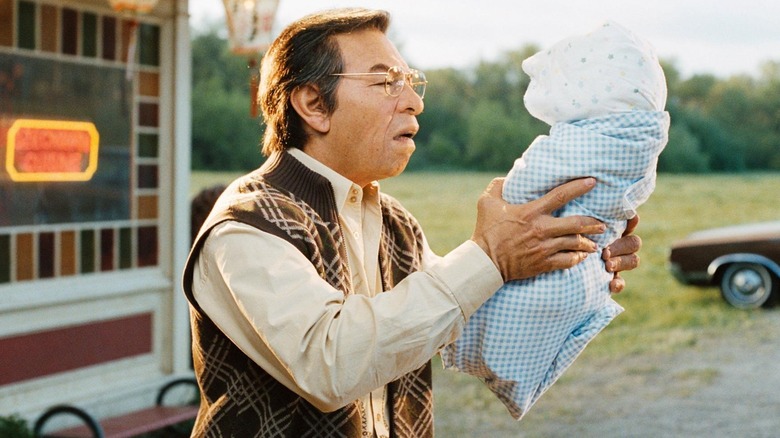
(747, 285)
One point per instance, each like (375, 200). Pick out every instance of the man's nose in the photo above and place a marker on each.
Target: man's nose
(410, 101)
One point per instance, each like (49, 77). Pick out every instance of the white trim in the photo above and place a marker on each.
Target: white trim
(165, 152)
(181, 183)
(84, 287)
(65, 314)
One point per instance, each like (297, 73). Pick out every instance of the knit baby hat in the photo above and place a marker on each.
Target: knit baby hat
(608, 70)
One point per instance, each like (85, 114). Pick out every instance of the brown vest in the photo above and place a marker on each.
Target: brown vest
(238, 398)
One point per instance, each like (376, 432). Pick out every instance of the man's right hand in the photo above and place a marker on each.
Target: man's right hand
(525, 240)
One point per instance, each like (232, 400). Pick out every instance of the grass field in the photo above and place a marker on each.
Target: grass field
(661, 315)
(658, 309)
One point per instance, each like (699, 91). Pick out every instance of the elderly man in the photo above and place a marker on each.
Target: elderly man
(316, 302)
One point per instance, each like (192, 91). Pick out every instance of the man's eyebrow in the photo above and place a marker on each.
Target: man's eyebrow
(381, 67)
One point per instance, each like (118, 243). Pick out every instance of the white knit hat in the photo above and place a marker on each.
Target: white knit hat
(608, 70)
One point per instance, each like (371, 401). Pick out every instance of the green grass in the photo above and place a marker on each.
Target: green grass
(661, 315)
(662, 312)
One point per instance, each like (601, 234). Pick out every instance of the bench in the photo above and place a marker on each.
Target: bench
(128, 425)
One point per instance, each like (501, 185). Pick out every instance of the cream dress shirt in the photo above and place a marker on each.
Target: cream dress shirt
(330, 349)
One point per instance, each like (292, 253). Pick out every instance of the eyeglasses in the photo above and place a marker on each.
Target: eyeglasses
(395, 79)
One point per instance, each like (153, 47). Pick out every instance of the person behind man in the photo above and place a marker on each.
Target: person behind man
(316, 302)
(603, 93)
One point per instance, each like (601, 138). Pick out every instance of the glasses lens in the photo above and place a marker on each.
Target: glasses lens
(397, 78)
(395, 81)
(418, 82)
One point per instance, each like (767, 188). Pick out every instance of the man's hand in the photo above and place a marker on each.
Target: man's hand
(525, 240)
(621, 255)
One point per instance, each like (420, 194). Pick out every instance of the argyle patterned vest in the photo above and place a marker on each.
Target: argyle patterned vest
(238, 398)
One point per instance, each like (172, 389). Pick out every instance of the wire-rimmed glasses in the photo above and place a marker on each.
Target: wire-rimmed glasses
(396, 78)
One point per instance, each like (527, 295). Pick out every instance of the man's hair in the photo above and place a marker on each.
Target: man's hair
(306, 53)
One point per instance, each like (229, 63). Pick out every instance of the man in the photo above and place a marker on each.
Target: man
(316, 301)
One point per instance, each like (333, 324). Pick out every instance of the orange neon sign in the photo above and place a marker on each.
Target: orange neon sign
(51, 150)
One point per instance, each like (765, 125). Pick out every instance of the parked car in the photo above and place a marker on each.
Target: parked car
(744, 260)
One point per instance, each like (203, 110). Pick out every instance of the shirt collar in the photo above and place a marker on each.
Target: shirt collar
(343, 188)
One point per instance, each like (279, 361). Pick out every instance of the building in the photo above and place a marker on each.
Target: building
(94, 208)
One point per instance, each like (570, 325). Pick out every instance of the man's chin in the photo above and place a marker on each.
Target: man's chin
(398, 168)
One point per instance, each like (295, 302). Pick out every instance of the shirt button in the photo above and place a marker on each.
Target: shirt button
(356, 234)
(353, 199)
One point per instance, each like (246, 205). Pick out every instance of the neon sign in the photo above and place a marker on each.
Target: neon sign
(51, 150)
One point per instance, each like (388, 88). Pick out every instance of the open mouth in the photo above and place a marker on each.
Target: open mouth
(409, 133)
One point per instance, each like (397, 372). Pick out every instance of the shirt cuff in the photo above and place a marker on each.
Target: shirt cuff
(470, 275)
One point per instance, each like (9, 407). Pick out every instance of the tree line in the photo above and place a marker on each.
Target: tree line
(474, 118)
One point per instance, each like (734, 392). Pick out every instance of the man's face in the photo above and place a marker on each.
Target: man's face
(370, 135)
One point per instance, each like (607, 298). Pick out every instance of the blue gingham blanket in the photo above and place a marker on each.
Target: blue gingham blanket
(523, 338)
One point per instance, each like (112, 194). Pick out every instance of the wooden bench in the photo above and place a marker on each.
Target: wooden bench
(128, 425)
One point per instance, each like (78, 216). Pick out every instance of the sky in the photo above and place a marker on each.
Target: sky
(723, 38)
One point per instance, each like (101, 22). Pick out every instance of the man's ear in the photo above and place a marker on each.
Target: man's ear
(308, 103)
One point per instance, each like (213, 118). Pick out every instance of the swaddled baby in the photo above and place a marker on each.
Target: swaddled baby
(603, 94)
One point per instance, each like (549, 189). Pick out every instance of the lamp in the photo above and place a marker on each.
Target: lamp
(250, 24)
(133, 8)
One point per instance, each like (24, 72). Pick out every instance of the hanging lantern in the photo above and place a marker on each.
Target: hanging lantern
(133, 8)
(250, 25)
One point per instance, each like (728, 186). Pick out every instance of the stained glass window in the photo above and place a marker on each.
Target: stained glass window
(26, 27)
(70, 31)
(107, 221)
(50, 25)
(109, 38)
(89, 35)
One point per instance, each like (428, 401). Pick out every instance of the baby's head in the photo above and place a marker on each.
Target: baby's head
(605, 71)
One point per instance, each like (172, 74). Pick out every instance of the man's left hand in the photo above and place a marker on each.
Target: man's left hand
(622, 255)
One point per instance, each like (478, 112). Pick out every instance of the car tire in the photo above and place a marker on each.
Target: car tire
(748, 286)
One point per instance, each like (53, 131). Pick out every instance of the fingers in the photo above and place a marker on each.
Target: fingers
(494, 189)
(624, 246)
(631, 225)
(621, 255)
(622, 263)
(561, 195)
(563, 260)
(617, 284)
(572, 243)
(524, 240)
(491, 197)
(576, 224)
(565, 252)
